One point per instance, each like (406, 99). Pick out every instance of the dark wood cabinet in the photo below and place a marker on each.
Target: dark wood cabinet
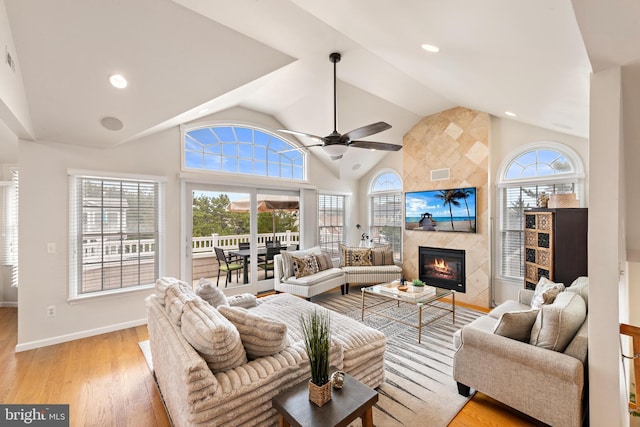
(555, 245)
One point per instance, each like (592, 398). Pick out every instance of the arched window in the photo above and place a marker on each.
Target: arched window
(385, 204)
(242, 149)
(551, 168)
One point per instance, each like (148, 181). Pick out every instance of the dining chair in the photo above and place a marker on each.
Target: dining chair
(265, 262)
(227, 265)
(272, 243)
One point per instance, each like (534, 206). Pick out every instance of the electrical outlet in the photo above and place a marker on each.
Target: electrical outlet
(51, 310)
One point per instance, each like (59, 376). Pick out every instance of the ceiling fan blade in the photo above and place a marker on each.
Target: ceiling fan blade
(304, 147)
(375, 145)
(296, 133)
(367, 130)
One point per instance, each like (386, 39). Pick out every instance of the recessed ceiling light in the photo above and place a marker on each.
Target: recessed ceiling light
(510, 114)
(118, 81)
(431, 48)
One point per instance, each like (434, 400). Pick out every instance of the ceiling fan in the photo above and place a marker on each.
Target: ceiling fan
(336, 144)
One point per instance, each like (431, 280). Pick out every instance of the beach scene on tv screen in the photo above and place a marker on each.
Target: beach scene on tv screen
(441, 210)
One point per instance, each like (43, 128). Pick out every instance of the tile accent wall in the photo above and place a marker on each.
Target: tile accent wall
(457, 139)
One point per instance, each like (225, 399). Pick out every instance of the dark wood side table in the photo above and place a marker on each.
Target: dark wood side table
(348, 403)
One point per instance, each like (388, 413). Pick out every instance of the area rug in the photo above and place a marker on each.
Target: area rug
(419, 389)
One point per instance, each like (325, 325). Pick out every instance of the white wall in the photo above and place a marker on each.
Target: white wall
(506, 136)
(607, 399)
(14, 111)
(44, 218)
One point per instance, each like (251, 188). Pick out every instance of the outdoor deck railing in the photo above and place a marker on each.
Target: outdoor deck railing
(130, 250)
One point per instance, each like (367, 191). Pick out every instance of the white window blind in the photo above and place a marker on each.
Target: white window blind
(385, 202)
(115, 233)
(10, 226)
(386, 221)
(331, 222)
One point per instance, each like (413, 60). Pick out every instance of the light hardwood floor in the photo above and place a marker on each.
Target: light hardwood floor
(106, 382)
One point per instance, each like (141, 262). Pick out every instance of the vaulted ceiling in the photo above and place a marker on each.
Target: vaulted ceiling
(184, 56)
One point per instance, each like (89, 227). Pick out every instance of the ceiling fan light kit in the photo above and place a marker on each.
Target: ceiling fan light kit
(336, 144)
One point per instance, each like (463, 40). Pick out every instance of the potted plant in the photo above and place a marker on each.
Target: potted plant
(316, 329)
(416, 286)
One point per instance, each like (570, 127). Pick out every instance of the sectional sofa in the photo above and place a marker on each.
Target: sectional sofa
(316, 273)
(219, 361)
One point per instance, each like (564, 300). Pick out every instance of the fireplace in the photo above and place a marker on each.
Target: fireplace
(442, 268)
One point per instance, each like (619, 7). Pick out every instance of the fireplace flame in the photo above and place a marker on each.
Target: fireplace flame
(440, 265)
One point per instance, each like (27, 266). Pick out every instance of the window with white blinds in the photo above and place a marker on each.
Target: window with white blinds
(115, 234)
(385, 201)
(10, 226)
(331, 222)
(523, 180)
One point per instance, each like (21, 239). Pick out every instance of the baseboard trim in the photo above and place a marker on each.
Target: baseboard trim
(8, 304)
(31, 345)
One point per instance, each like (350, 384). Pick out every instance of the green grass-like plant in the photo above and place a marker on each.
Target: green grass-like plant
(418, 283)
(316, 328)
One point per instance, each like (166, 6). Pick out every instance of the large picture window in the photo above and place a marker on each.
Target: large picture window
(331, 222)
(115, 233)
(552, 169)
(244, 150)
(10, 226)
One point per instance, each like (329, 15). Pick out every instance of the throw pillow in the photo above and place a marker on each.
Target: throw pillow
(550, 296)
(557, 323)
(260, 336)
(242, 300)
(353, 257)
(324, 261)
(543, 285)
(305, 266)
(211, 294)
(516, 324)
(580, 286)
(163, 283)
(382, 255)
(176, 297)
(212, 336)
(287, 262)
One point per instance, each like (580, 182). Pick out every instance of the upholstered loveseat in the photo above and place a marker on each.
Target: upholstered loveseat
(356, 265)
(532, 360)
(219, 361)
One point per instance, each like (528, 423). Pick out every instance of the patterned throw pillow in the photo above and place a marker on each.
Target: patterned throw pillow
(354, 257)
(324, 261)
(287, 261)
(382, 255)
(305, 266)
(543, 286)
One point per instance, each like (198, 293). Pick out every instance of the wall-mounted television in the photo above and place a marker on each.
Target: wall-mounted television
(452, 210)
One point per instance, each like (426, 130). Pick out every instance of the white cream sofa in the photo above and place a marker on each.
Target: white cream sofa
(549, 385)
(323, 281)
(195, 395)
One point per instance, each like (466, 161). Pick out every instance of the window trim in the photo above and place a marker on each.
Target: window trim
(184, 129)
(74, 296)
